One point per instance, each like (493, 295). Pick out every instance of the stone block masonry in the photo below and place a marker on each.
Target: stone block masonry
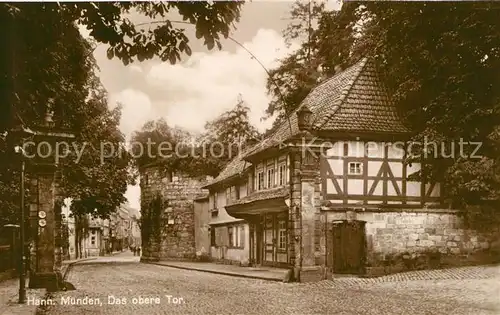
(412, 239)
(177, 238)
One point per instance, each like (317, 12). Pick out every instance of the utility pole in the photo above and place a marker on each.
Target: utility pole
(22, 280)
(309, 26)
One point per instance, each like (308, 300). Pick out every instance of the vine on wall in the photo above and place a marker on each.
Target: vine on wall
(151, 220)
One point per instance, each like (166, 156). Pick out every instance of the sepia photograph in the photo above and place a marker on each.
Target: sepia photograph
(260, 157)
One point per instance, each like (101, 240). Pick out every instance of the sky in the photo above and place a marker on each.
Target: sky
(205, 84)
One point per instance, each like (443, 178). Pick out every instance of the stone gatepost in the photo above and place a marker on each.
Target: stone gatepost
(41, 161)
(305, 216)
(312, 267)
(43, 271)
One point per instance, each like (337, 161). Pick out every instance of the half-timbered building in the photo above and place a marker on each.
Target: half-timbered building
(330, 190)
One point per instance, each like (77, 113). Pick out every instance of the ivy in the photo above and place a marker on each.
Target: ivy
(151, 222)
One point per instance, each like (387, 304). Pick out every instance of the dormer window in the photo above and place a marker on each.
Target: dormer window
(355, 168)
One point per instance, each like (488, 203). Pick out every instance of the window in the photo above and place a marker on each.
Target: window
(232, 193)
(236, 236)
(282, 175)
(236, 241)
(355, 168)
(212, 237)
(242, 236)
(146, 179)
(282, 235)
(260, 181)
(230, 236)
(170, 219)
(92, 240)
(270, 178)
(236, 192)
(214, 200)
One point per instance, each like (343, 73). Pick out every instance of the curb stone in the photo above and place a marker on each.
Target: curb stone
(225, 273)
(42, 308)
(70, 265)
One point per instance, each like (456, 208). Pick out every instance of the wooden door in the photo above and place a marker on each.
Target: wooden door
(258, 244)
(269, 234)
(347, 247)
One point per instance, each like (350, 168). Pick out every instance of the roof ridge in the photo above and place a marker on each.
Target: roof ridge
(303, 103)
(237, 158)
(344, 94)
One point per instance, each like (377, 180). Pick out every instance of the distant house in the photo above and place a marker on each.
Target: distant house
(134, 231)
(120, 228)
(97, 241)
(94, 243)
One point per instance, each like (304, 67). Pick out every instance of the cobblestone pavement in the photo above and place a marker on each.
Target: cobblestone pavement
(193, 292)
(9, 296)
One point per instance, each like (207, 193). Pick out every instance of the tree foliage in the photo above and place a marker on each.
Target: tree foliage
(159, 142)
(49, 60)
(232, 130)
(110, 23)
(45, 58)
(326, 38)
(441, 60)
(96, 174)
(177, 150)
(152, 223)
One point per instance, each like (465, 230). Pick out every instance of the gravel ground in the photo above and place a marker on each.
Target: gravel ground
(151, 289)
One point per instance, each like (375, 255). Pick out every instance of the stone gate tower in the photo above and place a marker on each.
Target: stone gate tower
(178, 191)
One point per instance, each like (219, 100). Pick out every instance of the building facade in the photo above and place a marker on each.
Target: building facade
(134, 235)
(120, 229)
(95, 241)
(330, 191)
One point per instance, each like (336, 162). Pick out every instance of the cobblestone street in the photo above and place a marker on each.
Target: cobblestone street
(464, 291)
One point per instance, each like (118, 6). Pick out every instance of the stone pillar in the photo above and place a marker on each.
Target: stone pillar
(307, 213)
(294, 228)
(45, 273)
(310, 269)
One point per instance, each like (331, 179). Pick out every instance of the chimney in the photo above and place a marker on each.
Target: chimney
(304, 118)
(251, 142)
(49, 113)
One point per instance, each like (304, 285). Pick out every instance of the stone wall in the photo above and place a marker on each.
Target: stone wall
(419, 239)
(177, 239)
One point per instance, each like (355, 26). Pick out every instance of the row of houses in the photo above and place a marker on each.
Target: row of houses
(102, 236)
(328, 192)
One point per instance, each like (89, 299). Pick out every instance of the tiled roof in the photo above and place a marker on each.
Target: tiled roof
(201, 197)
(235, 167)
(353, 100)
(279, 192)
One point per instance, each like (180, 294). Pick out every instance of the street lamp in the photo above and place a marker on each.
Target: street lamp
(22, 279)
